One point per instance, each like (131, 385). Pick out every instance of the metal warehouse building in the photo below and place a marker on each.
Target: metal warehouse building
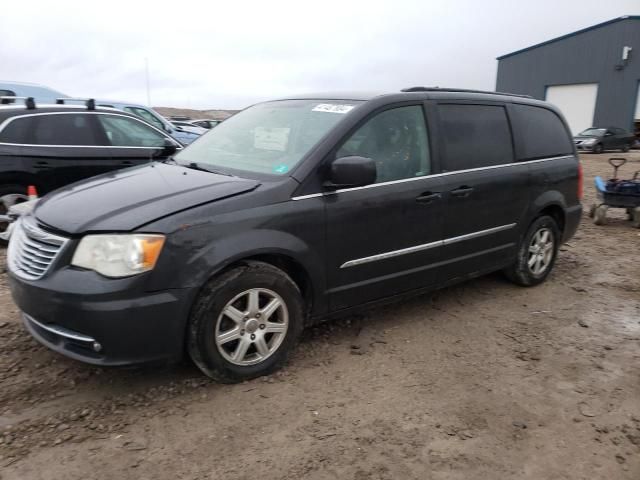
(593, 74)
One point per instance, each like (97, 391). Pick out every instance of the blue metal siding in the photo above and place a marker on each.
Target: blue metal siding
(589, 56)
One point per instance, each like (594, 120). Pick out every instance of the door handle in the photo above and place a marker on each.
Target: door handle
(428, 197)
(463, 191)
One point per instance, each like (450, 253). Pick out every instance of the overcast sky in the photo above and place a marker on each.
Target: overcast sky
(228, 54)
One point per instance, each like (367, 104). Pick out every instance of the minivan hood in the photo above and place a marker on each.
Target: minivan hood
(125, 199)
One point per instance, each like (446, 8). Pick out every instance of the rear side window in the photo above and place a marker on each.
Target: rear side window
(540, 133)
(128, 132)
(64, 129)
(17, 131)
(474, 136)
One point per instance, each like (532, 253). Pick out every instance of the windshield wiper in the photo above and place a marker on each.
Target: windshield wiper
(205, 168)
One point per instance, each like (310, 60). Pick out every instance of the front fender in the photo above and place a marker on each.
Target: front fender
(204, 240)
(231, 249)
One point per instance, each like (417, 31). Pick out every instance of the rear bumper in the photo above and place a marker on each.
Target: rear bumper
(572, 221)
(128, 329)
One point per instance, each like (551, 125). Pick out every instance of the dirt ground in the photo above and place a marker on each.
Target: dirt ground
(481, 380)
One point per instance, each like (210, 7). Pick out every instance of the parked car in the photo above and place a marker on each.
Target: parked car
(290, 212)
(152, 117)
(188, 127)
(599, 139)
(52, 146)
(45, 95)
(205, 123)
(39, 93)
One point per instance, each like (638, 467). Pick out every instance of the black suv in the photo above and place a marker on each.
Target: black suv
(52, 146)
(290, 212)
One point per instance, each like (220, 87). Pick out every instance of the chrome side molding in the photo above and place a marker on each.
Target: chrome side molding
(425, 246)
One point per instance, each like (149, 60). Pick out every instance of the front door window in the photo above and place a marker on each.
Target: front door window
(397, 140)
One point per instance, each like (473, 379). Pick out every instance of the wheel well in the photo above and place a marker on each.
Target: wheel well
(555, 212)
(292, 268)
(22, 179)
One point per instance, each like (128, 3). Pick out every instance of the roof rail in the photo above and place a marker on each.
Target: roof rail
(90, 103)
(29, 102)
(460, 90)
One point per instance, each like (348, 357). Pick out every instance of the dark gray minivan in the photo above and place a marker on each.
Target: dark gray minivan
(293, 211)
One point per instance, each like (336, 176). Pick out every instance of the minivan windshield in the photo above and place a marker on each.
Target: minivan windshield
(269, 137)
(593, 132)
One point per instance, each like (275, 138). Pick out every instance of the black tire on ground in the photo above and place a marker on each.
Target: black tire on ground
(5, 190)
(635, 219)
(215, 297)
(520, 273)
(629, 213)
(626, 148)
(600, 215)
(597, 148)
(592, 210)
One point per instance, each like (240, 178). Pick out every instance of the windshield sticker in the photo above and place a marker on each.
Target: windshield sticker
(281, 168)
(265, 138)
(332, 108)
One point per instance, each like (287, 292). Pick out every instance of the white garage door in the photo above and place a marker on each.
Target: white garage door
(577, 102)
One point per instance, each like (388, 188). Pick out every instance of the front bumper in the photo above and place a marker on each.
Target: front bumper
(116, 328)
(581, 146)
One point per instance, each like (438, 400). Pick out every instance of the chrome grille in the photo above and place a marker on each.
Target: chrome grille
(32, 250)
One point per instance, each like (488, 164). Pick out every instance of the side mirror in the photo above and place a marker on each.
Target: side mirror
(169, 148)
(353, 171)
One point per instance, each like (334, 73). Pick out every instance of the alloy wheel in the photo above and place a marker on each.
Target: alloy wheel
(251, 326)
(541, 250)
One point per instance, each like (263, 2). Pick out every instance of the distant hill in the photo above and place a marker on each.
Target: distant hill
(195, 114)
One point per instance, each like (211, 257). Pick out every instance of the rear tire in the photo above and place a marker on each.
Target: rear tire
(9, 195)
(245, 323)
(635, 218)
(597, 148)
(600, 215)
(536, 253)
(629, 213)
(626, 148)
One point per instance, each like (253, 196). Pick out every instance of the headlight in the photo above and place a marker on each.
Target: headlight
(118, 255)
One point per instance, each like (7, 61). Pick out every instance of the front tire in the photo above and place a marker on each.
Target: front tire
(245, 323)
(536, 253)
